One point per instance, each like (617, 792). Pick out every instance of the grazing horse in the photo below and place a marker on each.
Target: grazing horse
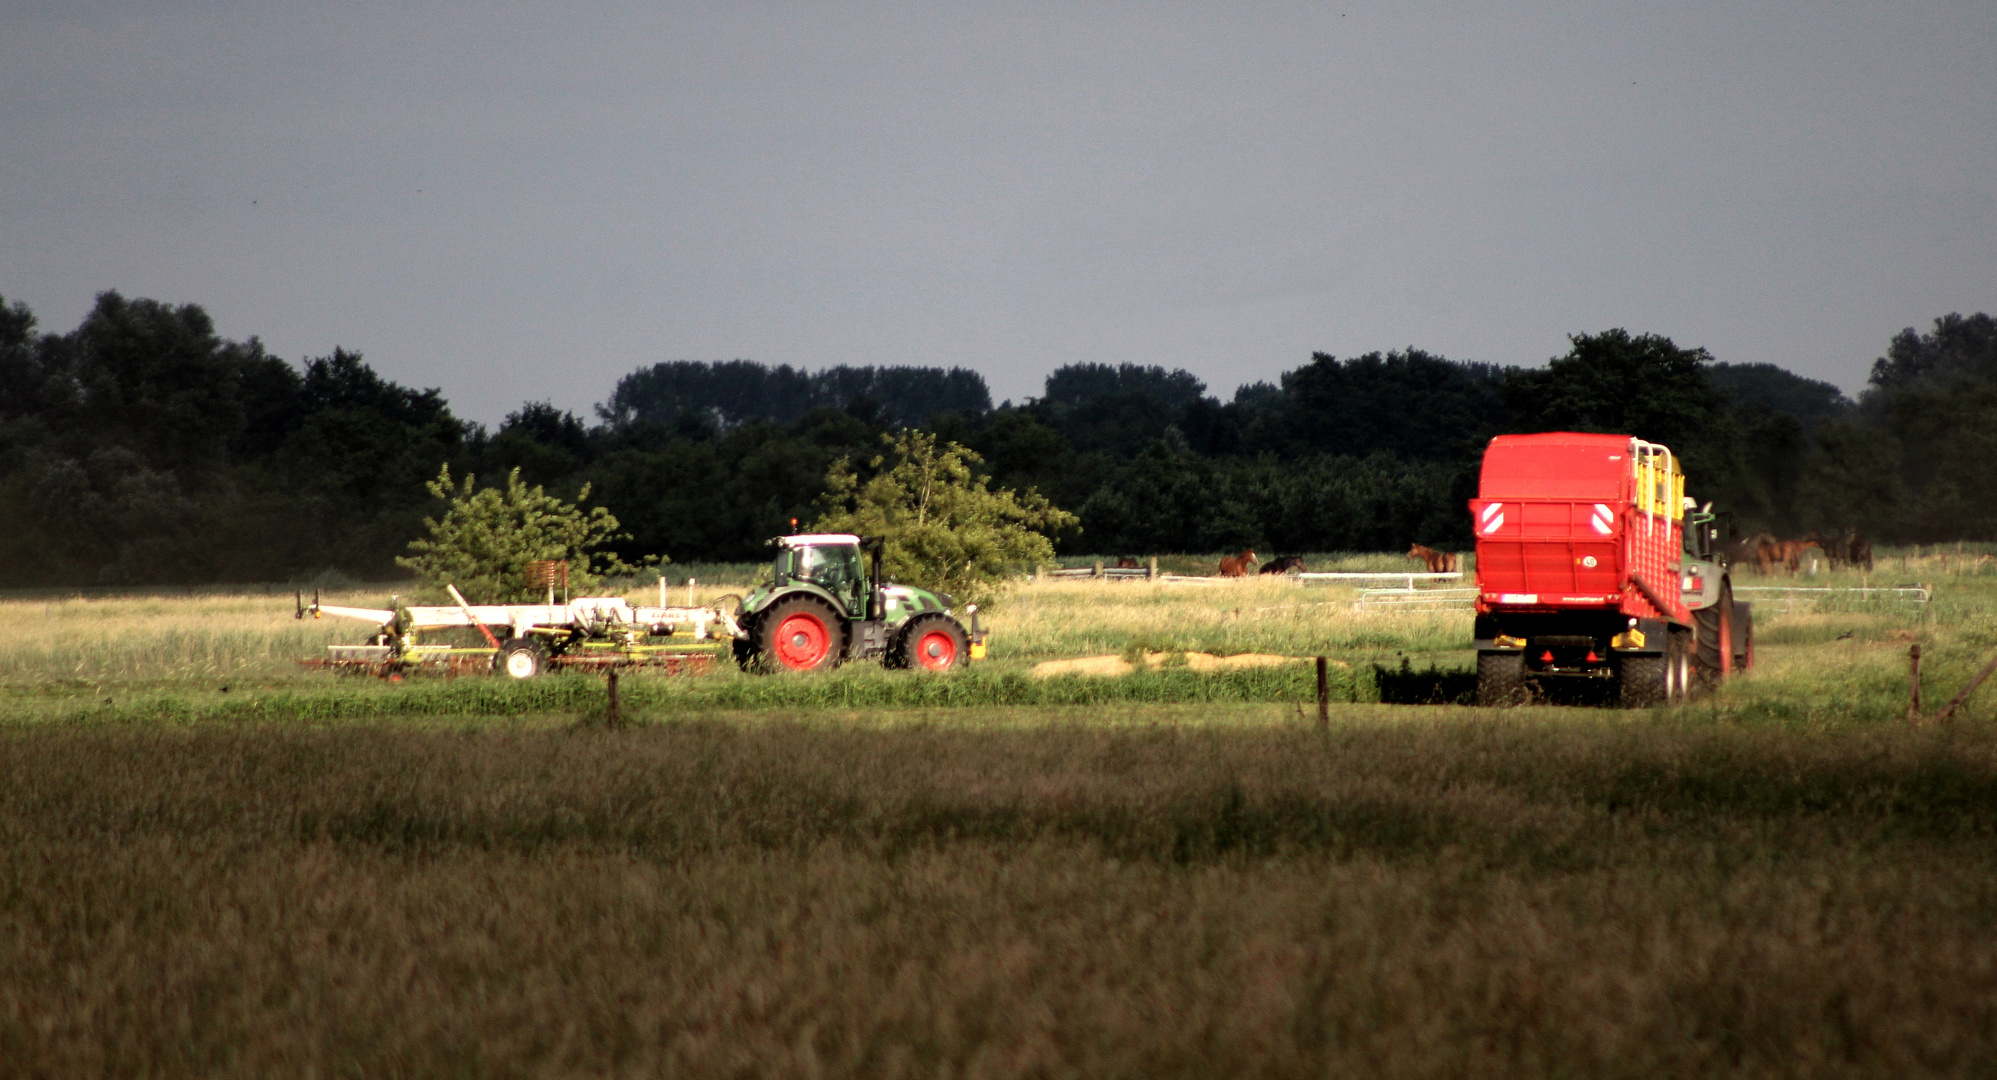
(1237, 565)
(1858, 551)
(1126, 562)
(1746, 550)
(1439, 562)
(1283, 564)
(1789, 553)
(1837, 548)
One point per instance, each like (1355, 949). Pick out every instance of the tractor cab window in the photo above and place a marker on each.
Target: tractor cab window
(834, 567)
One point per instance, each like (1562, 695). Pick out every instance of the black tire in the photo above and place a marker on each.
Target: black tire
(1680, 660)
(521, 658)
(1714, 629)
(806, 648)
(745, 647)
(1501, 679)
(1642, 681)
(931, 643)
(1743, 636)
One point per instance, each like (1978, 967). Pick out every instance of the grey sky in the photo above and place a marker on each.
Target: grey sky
(525, 201)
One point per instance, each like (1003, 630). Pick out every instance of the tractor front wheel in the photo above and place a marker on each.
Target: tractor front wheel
(932, 643)
(800, 634)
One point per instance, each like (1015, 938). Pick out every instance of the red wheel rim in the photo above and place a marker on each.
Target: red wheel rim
(936, 650)
(802, 641)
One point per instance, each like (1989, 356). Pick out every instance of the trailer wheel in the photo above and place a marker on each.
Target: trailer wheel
(1716, 638)
(1679, 659)
(1500, 679)
(1642, 681)
(521, 658)
(932, 643)
(800, 634)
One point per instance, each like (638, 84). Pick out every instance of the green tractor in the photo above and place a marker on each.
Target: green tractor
(825, 604)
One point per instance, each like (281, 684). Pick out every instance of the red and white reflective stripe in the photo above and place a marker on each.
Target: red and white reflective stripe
(1604, 520)
(1493, 518)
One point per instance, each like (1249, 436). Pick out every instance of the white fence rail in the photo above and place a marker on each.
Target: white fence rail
(1408, 580)
(1790, 597)
(1412, 599)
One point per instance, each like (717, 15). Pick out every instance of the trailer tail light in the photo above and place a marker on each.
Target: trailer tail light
(1546, 657)
(1592, 658)
(1694, 583)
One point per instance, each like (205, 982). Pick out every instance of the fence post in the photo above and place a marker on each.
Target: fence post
(615, 716)
(1099, 569)
(1323, 697)
(1914, 683)
(1151, 573)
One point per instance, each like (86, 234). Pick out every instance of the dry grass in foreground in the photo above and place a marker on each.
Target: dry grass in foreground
(1516, 896)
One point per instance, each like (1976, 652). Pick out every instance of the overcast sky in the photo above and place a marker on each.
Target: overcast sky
(524, 201)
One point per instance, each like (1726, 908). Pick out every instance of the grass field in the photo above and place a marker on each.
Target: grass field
(884, 874)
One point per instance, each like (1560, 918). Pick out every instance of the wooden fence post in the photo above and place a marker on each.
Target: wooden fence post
(1323, 697)
(1914, 683)
(1151, 574)
(615, 716)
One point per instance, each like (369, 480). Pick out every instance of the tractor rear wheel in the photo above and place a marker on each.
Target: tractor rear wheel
(1716, 630)
(800, 634)
(521, 658)
(1500, 679)
(932, 643)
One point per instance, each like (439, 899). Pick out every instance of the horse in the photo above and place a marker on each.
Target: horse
(1744, 550)
(1787, 552)
(1283, 564)
(1858, 551)
(1126, 562)
(1237, 565)
(1439, 562)
(1837, 548)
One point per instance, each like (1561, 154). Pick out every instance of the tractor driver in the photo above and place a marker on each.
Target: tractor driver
(837, 568)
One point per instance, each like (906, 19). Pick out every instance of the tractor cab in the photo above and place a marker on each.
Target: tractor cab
(832, 562)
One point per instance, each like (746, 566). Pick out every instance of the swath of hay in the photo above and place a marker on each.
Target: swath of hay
(1194, 661)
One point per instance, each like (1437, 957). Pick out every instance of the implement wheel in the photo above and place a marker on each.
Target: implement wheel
(932, 643)
(1501, 679)
(800, 634)
(521, 658)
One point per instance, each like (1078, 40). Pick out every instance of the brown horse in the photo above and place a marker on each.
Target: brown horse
(1237, 565)
(1789, 553)
(1438, 562)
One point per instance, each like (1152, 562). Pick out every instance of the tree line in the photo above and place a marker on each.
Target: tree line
(143, 448)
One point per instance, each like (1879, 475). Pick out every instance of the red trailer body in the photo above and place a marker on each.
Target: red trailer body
(1580, 553)
(1570, 521)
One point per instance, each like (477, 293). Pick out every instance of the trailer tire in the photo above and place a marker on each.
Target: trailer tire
(1501, 679)
(931, 643)
(521, 658)
(1716, 627)
(1679, 659)
(802, 633)
(1642, 681)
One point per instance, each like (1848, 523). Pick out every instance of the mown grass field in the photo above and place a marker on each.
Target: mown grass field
(883, 874)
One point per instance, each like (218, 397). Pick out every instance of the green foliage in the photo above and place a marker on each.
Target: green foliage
(488, 535)
(945, 529)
